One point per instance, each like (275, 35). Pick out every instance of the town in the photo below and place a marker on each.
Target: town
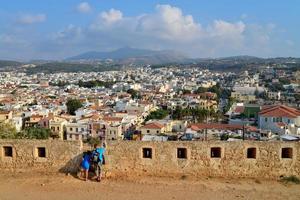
(152, 104)
(150, 99)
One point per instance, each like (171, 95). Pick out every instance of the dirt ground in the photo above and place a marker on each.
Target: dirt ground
(60, 186)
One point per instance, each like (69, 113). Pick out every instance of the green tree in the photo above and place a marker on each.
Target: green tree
(7, 131)
(216, 89)
(186, 91)
(284, 81)
(177, 113)
(73, 105)
(201, 90)
(134, 94)
(92, 141)
(35, 133)
(157, 114)
(201, 114)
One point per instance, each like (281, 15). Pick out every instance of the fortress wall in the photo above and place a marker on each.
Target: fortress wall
(126, 158)
(42, 155)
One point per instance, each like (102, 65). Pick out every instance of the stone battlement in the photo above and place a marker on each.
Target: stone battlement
(133, 158)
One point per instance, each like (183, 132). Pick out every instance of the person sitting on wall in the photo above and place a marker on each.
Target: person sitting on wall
(85, 164)
(98, 159)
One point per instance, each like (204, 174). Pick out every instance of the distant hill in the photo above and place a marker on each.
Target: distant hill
(9, 63)
(57, 67)
(129, 55)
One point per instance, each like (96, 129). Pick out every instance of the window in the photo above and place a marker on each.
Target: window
(58, 128)
(182, 153)
(71, 129)
(274, 119)
(286, 153)
(41, 152)
(215, 152)
(266, 119)
(157, 131)
(147, 153)
(251, 153)
(148, 131)
(76, 130)
(7, 151)
(289, 121)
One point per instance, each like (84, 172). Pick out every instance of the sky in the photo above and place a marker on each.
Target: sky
(50, 29)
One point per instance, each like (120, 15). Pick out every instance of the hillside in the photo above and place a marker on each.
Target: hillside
(129, 55)
(56, 67)
(8, 63)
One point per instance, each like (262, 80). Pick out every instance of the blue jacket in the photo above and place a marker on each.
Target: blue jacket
(100, 152)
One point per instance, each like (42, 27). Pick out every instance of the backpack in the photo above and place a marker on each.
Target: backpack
(95, 157)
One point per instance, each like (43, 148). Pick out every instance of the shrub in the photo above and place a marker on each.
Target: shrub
(290, 179)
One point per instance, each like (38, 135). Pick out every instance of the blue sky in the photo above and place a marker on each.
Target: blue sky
(48, 29)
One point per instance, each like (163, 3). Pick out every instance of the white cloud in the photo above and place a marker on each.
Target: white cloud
(84, 7)
(31, 18)
(169, 23)
(167, 27)
(111, 16)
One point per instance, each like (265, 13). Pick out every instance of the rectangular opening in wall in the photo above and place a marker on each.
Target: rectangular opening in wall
(215, 152)
(7, 151)
(182, 153)
(147, 153)
(251, 153)
(41, 152)
(287, 153)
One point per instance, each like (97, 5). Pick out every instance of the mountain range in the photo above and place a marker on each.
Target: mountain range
(128, 55)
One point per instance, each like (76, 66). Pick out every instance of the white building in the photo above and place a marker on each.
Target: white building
(77, 131)
(280, 119)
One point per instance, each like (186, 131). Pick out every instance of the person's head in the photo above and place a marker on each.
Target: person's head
(89, 153)
(86, 153)
(96, 145)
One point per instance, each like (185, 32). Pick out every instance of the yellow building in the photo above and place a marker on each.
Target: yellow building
(243, 97)
(153, 129)
(57, 126)
(6, 116)
(114, 132)
(208, 104)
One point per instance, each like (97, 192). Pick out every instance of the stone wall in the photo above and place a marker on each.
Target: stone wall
(127, 158)
(41, 155)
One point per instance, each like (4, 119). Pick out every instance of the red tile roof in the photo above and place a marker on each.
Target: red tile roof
(199, 126)
(280, 111)
(239, 109)
(153, 125)
(118, 119)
